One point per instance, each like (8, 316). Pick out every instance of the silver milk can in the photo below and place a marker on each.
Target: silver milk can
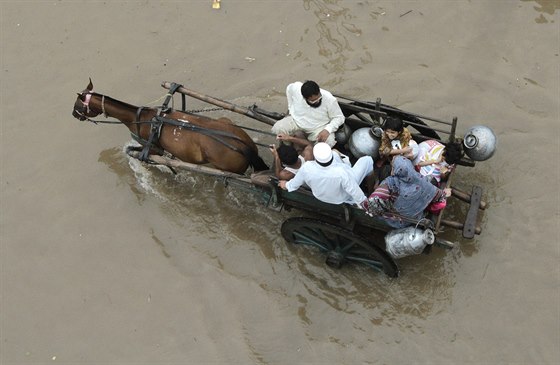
(365, 142)
(408, 241)
(480, 143)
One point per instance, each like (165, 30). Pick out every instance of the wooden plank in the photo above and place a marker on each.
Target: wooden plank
(469, 228)
(222, 104)
(162, 160)
(458, 225)
(466, 197)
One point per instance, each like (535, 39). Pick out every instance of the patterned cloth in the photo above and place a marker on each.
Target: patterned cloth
(431, 150)
(387, 145)
(407, 193)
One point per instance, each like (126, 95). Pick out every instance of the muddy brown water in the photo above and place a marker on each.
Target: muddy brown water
(106, 261)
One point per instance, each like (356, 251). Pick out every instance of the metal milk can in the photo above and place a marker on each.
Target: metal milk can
(342, 135)
(480, 143)
(408, 241)
(365, 142)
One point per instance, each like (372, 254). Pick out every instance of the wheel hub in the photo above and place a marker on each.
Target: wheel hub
(334, 259)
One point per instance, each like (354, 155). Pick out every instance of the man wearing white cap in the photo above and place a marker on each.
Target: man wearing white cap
(330, 180)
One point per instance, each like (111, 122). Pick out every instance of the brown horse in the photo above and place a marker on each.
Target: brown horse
(188, 137)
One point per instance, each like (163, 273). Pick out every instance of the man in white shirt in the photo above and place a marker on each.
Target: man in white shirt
(312, 110)
(331, 180)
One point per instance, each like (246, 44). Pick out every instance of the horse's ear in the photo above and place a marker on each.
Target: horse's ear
(90, 85)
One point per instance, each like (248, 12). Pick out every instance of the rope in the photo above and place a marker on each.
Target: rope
(158, 99)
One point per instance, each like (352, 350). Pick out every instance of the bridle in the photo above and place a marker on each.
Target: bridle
(86, 110)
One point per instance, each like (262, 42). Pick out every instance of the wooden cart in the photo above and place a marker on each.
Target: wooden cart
(343, 233)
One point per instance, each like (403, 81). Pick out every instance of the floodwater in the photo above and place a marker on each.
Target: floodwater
(104, 260)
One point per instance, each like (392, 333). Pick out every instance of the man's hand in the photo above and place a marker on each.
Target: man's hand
(282, 184)
(284, 137)
(323, 135)
(273, 150)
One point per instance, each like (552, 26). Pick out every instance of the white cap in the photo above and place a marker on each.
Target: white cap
(322, 152)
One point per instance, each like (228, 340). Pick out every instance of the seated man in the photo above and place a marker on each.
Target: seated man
(312, 110)
(304, 147)
(287, 161)
(288, 158)
(330, 180)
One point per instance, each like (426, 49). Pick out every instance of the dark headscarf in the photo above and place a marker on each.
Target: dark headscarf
(413, 193)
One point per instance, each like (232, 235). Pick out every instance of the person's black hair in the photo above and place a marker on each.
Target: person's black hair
(394, 124)
(309, 88)
(287, 154)
(453, 152)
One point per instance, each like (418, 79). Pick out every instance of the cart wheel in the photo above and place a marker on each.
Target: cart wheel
(339, 244)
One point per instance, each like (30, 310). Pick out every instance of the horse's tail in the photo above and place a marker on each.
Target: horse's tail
(255, 161)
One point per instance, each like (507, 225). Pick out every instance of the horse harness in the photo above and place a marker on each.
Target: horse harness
(159, 120)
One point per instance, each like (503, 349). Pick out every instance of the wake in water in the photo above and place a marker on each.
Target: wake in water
(190, 192)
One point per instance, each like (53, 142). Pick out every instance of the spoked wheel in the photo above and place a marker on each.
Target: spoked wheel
(339, 244)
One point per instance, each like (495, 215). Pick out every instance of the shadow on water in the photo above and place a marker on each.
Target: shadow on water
(235, 231)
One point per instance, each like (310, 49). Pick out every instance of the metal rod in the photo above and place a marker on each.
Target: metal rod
(392, 108)
(427, 126)
(453, 129)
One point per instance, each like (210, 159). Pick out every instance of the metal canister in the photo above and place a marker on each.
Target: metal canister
(480, 143)
(408, 241)
(342, 135)
(364, 142)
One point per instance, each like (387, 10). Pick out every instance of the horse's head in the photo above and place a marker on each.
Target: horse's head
(82, 110)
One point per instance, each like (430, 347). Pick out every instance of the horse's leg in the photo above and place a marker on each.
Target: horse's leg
(130, 149)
